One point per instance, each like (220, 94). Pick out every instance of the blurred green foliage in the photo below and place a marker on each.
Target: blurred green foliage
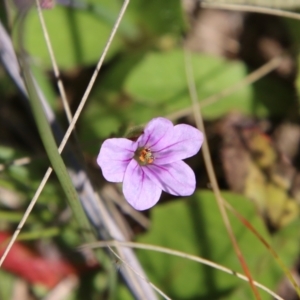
(201, 232)
(144, 77)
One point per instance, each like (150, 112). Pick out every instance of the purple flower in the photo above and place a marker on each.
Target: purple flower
(152, 163)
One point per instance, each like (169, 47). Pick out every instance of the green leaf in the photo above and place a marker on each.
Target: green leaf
(194, 225)
(160, 80)
(77, 37)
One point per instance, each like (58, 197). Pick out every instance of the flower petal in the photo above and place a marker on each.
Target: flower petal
(183, 143)
(139, 191)
(176, 178)
(154, 132)
(114, 157)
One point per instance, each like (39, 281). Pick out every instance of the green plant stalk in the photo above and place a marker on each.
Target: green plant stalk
(64, 178)
(56, 160)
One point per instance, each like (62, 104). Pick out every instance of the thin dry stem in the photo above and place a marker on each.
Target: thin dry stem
(179, 254)
(251, 8)
(54, 64)
(210, 169)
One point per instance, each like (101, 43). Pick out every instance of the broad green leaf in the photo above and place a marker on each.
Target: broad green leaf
(194, 225)
(160, 80)
(77, 37)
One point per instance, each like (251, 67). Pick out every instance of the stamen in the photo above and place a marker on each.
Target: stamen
(144, 156)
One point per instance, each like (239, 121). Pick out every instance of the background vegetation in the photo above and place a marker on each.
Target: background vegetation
(244, 66)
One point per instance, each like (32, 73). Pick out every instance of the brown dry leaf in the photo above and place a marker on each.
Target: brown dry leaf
(254, 166)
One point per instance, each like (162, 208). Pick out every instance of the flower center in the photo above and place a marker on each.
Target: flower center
(144, 156)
